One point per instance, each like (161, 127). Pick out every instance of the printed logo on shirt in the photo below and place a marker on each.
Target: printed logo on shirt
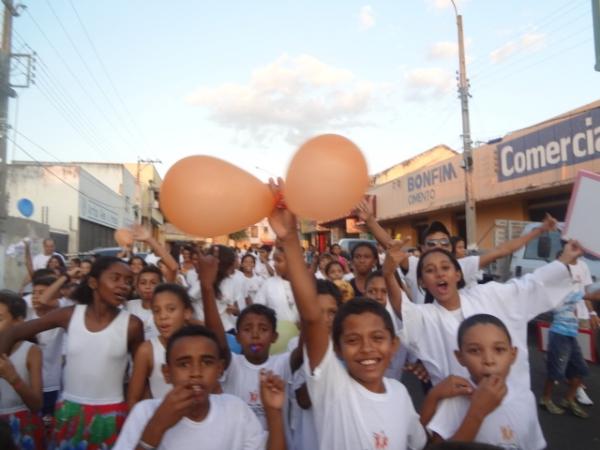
(508, 438)
(381, 440)
(253, 397)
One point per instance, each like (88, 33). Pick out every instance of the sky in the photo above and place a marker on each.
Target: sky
(249, 81)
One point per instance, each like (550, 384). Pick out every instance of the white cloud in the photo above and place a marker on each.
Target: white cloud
(428, 83)
(366, 18)
(292, 97)
(529, 42)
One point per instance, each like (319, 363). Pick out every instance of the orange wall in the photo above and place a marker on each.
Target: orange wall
(488, 214)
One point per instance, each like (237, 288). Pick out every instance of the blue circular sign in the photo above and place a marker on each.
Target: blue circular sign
(25, 207)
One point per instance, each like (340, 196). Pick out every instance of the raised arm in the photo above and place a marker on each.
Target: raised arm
(272, 395)
(207, 267)
(365, 213)
(54, 289)
(393, 258)
(142, 234)
(29, 391)
(28, 259)
(509, 247)
(314, 329)
(27, 330)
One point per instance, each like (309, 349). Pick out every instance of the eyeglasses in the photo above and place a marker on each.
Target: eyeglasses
(437, 242)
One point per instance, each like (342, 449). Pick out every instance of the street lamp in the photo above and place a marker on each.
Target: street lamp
(463, 90)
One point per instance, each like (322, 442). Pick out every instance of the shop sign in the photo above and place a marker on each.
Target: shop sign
(421, 187)
(567, 143)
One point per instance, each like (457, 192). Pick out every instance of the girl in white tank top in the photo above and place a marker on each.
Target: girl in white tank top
(20, 379)
(101, 336)
(172, 309)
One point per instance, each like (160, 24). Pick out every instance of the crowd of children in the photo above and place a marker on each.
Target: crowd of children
(139, 353)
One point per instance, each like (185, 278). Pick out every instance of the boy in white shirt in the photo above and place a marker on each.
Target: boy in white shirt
(355, 407)
(485, 411)
(190, 416)
(256, 331)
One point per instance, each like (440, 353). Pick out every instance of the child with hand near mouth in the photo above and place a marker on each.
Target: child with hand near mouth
(483, 409)
(190, 416)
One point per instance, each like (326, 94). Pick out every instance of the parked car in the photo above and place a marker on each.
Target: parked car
(542, 250)
(111, 251)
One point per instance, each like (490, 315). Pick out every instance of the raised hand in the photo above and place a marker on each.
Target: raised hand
(418, 370)
(364, 210)
(272, 390)
(394, 255)
(141, 233)
(207, 268)
(571, 251)
(549, 223)
(282, 220)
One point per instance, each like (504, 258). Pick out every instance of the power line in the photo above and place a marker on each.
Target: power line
(106, 72)
(77, 80)
(90, 73)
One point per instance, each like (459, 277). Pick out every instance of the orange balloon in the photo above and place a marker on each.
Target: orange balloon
(326, 178)
(207, 197)
(124, 237)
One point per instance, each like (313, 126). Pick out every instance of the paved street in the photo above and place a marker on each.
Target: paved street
(565, 432)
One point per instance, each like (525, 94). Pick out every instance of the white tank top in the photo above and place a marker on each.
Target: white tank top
(136, 308)
(158, 386)
(10, 400)
(96, 361)
(51, 344)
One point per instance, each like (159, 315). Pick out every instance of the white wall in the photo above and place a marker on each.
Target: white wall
(55, 203)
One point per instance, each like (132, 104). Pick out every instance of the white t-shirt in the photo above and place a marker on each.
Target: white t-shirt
(51, 343)
(512, 425)
(40, 261)
(136, 308)
(230, 294)
(242, 379)
(430, 331)
(276, 293)
(250, 288)
(582, 278)
(302, 421)
(468, 264)
(319, 275)
(229, 424)
(261, 269)
(348, 416)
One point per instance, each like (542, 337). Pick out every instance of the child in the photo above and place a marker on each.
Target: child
(364, 259)
(355, 407)
(321, 265)
(564, 358)
(276, 292)
(101, 335)
(252, 282)
(228, 296)
(20, 378)
(263, 265)
(171, 309)
(485, 411)
(190, 416)
(256, 331)
(147, 280)
(334, 271)
(45, 298)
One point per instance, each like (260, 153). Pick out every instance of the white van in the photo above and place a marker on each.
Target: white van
(542, 250)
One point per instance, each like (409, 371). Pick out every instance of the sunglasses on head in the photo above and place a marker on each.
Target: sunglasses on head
(437, 242)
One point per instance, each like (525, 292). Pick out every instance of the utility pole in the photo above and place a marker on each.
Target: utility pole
(596, 22)
(463, 90)
(6, 92)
